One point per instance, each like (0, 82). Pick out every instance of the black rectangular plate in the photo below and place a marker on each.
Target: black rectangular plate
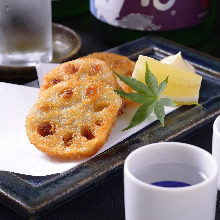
(34, 196)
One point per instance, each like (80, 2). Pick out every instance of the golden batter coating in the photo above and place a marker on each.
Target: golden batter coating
(120, 64)
(79, 69)
(73, 119)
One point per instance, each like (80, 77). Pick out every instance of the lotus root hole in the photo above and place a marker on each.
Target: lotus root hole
(45, 129)
(99, 107)
(96, 69)
(68, 139)
(55, 81)
(70, 68)
(45, 108)
(87, 133)
(91, 91)
(67, 93)
(98, 122)
(74, 68)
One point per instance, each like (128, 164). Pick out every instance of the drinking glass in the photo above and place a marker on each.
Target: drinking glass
(25, 32)
(170, 180)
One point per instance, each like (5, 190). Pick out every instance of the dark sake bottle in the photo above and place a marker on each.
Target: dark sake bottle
(187, 22)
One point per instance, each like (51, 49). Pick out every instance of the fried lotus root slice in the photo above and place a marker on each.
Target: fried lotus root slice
(120, 64)
(76, 125)
(80, 69)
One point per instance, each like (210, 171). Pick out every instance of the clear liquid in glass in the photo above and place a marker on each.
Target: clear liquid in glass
(25, 32)
(171, 175)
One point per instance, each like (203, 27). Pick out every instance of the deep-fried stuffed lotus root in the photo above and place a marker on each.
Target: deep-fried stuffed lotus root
(73, 119)
(79, 69)
(120, 64)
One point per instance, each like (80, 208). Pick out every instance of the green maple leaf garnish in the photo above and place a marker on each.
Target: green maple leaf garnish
(148, 95)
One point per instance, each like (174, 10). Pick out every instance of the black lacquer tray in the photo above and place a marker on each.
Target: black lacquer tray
(34, 196)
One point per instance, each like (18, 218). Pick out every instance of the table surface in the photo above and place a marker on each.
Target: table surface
(106, 201)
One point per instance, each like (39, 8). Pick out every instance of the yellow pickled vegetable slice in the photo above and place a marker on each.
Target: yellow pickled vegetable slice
(183, 86)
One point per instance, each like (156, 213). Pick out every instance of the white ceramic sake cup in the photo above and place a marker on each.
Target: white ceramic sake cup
(216, 144)
(144, 201)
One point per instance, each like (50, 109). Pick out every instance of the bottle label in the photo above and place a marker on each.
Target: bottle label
(151, 15)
